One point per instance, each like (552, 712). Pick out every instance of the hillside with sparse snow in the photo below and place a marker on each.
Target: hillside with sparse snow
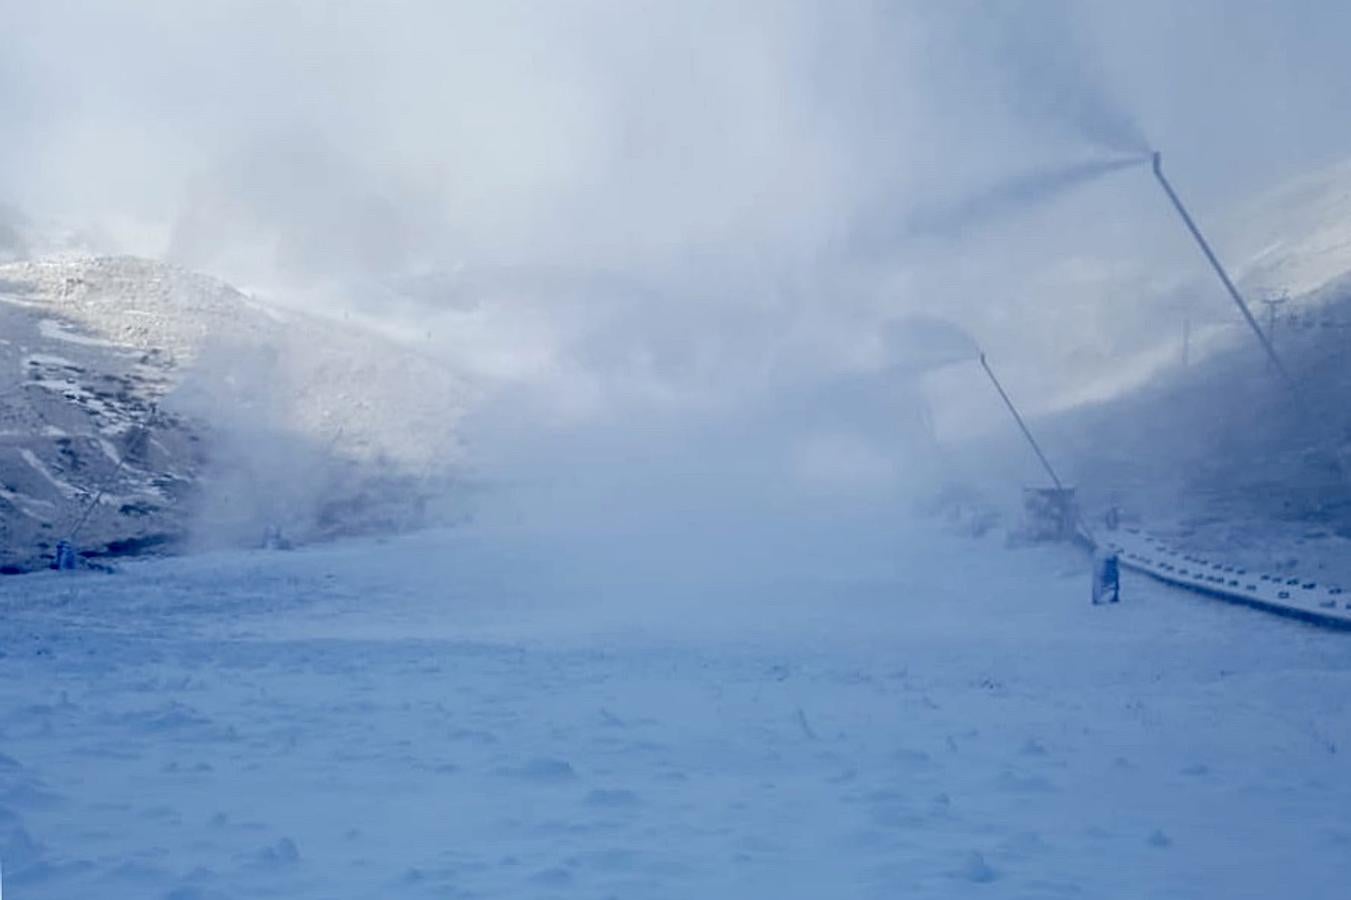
(142, 405)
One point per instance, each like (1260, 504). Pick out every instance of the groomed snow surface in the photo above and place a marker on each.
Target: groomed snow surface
(474, 713)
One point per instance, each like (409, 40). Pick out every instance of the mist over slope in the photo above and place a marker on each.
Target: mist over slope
(148, 406)
(750, 194)
(616, 392)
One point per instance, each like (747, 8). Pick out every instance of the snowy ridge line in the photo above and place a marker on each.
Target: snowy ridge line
(1287, 595)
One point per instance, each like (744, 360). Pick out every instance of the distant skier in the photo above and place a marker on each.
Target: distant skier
(1106, 578)
(65, 559)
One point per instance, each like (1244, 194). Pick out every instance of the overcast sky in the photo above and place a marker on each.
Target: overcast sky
(711, 188)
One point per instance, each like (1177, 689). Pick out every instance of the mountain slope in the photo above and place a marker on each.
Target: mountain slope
(142, 404)
(1219, 451)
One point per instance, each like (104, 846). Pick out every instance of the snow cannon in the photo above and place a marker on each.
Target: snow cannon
(1049, 513)
(1022, 426)
(1262, 338)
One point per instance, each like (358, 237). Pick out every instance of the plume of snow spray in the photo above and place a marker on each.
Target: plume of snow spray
(1052, 79)
(919, 344)
(989, 205)
(1045, 67)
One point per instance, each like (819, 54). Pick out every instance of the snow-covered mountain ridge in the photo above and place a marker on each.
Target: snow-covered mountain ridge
(172, 406)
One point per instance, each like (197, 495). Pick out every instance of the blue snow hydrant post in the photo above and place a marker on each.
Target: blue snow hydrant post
(65, 557)
(1106, 577)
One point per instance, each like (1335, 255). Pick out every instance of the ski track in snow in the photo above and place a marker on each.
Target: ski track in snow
(450, 714)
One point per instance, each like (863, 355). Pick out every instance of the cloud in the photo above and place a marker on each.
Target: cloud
(1040, 61)
(608, 205)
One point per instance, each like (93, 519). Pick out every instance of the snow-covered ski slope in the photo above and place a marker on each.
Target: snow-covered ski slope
(1287, 594)
(472, 713)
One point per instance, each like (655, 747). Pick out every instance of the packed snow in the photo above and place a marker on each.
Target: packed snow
(496, 712)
